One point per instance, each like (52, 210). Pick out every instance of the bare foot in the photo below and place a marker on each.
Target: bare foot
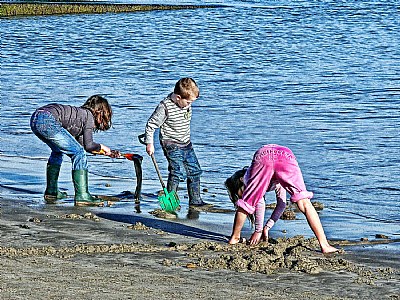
(234, 241)
(329, 249)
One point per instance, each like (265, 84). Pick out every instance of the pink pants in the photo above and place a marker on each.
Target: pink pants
(272, 164)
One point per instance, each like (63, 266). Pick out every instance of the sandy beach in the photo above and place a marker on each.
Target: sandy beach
(54, 252)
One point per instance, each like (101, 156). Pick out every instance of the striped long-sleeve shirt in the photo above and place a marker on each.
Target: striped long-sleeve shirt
(173, 121)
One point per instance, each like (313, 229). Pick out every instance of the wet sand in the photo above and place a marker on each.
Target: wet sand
(58, 252)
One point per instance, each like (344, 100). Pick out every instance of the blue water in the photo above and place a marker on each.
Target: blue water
(321, 77)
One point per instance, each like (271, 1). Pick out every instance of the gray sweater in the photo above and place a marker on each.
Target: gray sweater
(79, 122)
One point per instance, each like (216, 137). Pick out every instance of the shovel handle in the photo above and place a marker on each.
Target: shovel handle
(158, 171)
(141, 140)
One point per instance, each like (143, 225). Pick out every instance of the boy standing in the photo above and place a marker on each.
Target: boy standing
(173, 116)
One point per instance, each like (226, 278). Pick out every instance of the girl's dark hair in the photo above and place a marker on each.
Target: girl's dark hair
(101, 111)
(233, 184)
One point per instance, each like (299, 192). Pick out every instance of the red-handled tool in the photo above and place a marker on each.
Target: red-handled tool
(117, 154)
(137, 162)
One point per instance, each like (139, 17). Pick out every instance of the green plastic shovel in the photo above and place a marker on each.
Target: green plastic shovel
(169, 201)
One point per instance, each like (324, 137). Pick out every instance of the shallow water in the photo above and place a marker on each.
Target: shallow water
(321, 78)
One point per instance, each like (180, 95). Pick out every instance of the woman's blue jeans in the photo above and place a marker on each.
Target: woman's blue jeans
(60, 141)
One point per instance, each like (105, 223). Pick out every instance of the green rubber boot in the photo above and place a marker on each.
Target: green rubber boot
(82, 195)
(52, 192)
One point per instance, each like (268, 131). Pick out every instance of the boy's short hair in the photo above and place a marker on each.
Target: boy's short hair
(187, 88)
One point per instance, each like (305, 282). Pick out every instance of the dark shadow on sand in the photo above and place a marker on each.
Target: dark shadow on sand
(21, 190)
(167, 226)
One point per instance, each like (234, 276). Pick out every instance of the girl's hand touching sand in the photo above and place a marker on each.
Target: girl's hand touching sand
(255, 238)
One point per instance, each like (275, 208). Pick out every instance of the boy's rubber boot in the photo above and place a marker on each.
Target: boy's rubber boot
(172, 184)
(82, 195)
(193, 186)
(52, 193)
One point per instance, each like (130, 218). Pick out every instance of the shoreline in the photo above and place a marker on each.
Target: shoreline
(79, 7)
(56, 252)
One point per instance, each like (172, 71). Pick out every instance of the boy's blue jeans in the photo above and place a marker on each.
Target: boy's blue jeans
(181, 161)
(46, 128)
